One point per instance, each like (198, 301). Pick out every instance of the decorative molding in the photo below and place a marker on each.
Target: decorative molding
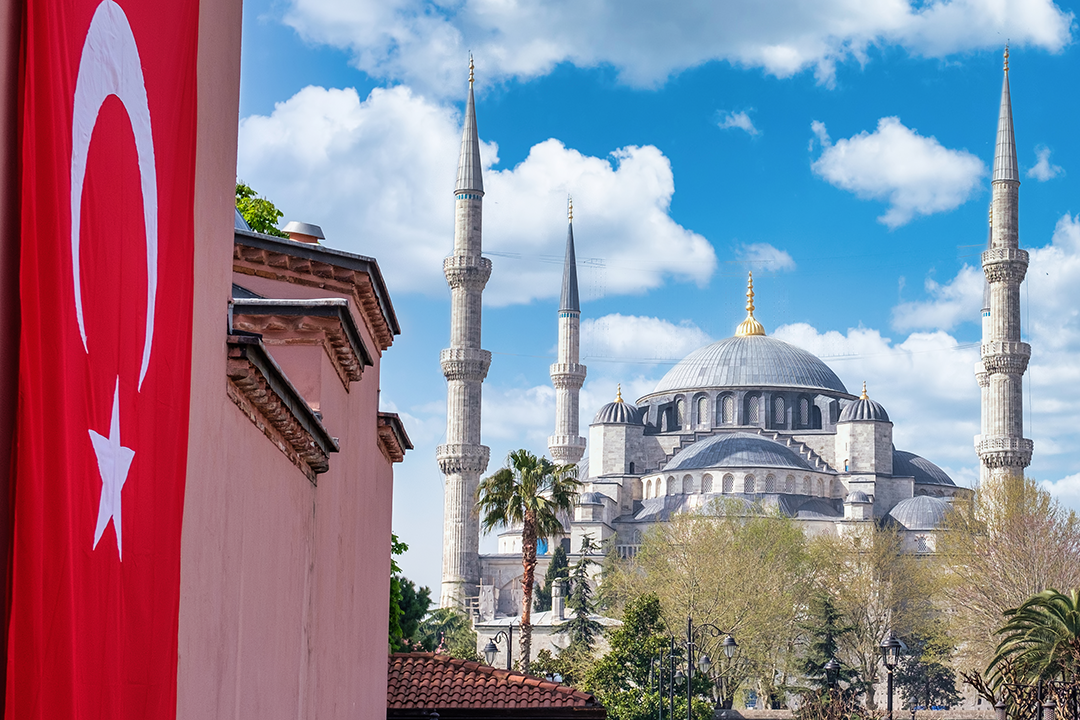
(263, 393)
(466, 271)
(393, 440)
(1005, 265)
(465, 363)
(462, 458)
(1001, 451)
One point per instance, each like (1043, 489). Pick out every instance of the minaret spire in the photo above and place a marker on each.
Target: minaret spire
(462, 459)
(1003, 450)
(567, 374)
(750, 326)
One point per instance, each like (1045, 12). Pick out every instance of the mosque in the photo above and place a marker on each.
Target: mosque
(749, 419)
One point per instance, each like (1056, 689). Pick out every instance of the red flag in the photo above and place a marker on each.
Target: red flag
(107, 183)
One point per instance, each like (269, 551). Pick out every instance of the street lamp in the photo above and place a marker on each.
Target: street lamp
(694, 636)
(832, 672)
(890, 655)
(491, 649)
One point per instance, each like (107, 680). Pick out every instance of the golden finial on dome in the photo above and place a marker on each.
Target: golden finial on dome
(471, 68)
(1006, 57)
(750, 326)
(618, 393)
(864, 396)
(570, 208)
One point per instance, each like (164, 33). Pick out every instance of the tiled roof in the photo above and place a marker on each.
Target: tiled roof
(426, 681)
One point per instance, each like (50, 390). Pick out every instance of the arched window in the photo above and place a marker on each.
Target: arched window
(648, 488)
(706, 484)
(672, 488)
(753, 410)
(770, 483)
(815, 418)
(631, 470)
(806, 485)
(680, 413)
(804, 412)
(921, 545)
(703, 411)
(729, 409)
(779, 416)
(729, 483)
(748, 484)
(687, 485)
(820, 487)
(790, 485)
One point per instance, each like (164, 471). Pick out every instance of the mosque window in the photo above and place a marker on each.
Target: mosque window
(806, 485)
(706, 484)
(748, 484)
(703, 411)
(753, 414)
(921, 545)
(725, 410)
(778, 411)
(671, 486)
(770, 483)
(680, 413)
(790, 485)
(804, 412)
(687, 485)
(815, 418)
(631, 470)
(820, 487)
(648, 488)
(729, 483)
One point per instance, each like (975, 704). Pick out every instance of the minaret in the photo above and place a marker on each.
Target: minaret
(567, 375)
(1003, 450)
(465, 365)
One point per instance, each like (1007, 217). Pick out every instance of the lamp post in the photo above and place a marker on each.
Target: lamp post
(695, 635)
(491, 649)
(890, 655)
(832, 673)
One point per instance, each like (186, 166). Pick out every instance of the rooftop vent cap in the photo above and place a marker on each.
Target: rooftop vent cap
(304, 232)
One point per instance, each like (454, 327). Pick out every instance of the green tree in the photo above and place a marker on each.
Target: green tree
(530, 491)
(923, 677)
(447, 631)
(557, 572)
(1040, 639)
(396, 548)
(581, 627)
(825, 629)
(414, 604)
(259, 213)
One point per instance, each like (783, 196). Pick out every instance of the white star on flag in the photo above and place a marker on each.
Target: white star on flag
(114, 461)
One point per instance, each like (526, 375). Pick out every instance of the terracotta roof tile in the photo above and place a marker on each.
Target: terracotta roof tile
(426, 680)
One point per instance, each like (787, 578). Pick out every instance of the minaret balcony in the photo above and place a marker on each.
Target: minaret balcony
(998, 451)
(462, 458)
(1003, 356)
(1005, 264)
(568, 375)
(465, 363)
(467, 271)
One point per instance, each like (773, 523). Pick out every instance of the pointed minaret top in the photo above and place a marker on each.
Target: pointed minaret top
(750, 326)
(569, 300)
(1005, 167)
(864, 396)
(618, 393)
(469, 178)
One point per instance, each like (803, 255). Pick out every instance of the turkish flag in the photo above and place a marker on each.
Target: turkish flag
(108, 123)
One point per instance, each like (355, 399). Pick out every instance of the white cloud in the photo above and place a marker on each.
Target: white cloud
(637, 339)
(765, 257)
(424, 42)
(1044, 170)
(1066, 490)
(738, 120)
(959, 300)
(372, 173)
(916, 175)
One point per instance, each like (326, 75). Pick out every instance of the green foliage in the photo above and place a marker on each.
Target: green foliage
(832, 705)
(259, 213)
(582, 629)
(447, 631)
(414, 603)
(558, 570)
(395, 634)
(922, 678)
(1041, 639)
(825, 629)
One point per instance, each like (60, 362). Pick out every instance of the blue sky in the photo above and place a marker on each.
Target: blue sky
(839, 151)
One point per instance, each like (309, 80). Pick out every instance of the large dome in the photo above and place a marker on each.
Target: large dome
(750, 361)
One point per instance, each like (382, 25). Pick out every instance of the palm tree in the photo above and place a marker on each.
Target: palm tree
(1040, 639)
(530, 491)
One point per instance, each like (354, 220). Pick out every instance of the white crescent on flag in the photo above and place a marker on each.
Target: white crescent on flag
(110, 65)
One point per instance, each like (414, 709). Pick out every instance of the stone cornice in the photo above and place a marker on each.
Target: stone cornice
(324, 268)
(466, 271)
(1003, 356)
(393, 439)
(465, 364)
(259, 388)
(461, 458)
(1005, 264)
(999, 451)
(327, 323)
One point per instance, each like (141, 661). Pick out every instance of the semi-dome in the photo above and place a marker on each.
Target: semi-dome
(858, 497)
(750, 361)
(864, 409)
(737, 450)
(619, 412)
(590, 498)
(905, 464)
(817, 509)
(920, 513)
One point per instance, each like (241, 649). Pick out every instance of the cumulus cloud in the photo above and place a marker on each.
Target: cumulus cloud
(763, 256)
(1066, 490)
(737, 120)
(635, 339)
(371, 172)
(959, 300)
(1043, 169)
(424, 42)
(916, 175)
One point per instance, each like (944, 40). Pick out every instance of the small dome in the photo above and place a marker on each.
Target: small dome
(590, 498)
(736, 450)
(905, 464)
(920, 513)
(864, 409)
(619, 413)
(858, 497)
